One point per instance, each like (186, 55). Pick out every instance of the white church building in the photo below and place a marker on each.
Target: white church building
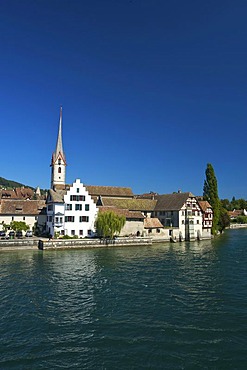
(71, 210)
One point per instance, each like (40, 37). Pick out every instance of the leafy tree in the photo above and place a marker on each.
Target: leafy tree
(108, 223)
(210, 193)
(226, 204)
(242, 204)
(241, 220)
(19, 225)
(5, 226)
(224, 220)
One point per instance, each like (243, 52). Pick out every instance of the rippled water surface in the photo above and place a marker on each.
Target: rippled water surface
(179, 306)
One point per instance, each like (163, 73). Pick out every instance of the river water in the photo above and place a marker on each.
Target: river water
(170, 306)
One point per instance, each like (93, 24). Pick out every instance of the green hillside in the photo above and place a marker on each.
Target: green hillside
(9, 184)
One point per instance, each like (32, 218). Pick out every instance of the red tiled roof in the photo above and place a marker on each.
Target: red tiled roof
(172, 202)
(110, 191)
(204, 205)
(131, 204)
(21, 207)
(17, 193)
(122, 212)
(152, 223)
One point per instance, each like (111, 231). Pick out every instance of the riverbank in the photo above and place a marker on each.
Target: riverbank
(237, 226)
(52, 244)
(45, 244)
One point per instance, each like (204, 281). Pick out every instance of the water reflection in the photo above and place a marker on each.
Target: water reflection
(160, 306)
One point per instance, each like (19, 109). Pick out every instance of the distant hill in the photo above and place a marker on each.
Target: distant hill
(9, 184)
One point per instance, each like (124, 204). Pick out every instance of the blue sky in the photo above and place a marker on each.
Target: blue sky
(151, 90)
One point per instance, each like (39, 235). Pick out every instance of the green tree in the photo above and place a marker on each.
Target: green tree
(210, 193)
(241, 219)
(108, 224)
(224, 220)
(226, 204)
(242, 203)
(19, 225)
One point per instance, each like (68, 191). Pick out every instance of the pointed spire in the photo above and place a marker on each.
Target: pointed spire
(59, 147)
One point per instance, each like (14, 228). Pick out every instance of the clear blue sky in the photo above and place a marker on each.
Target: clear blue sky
(152, 91)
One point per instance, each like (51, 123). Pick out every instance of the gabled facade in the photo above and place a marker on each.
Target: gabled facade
(71, 211)
(181, 213)
(207, 218)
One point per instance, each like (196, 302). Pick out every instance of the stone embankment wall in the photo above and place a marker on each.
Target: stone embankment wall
(92, 243)
(237, 226)
(18, 244)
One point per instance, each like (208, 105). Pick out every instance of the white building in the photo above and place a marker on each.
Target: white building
(70, 209)
(182, 214)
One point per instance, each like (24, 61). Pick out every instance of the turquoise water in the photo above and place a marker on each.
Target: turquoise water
(178, 306)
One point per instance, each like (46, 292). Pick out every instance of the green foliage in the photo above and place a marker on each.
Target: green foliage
(210, 193)
(234, 204)
(108, 223)
(5, 226)
(225, 203)
(224, 220)
(69, 237)
(241, 220)
(19, 225)
(4, 183)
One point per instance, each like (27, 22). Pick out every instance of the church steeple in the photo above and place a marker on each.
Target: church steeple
(58, 161)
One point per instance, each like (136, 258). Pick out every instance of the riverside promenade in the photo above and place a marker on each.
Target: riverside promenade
(45, 244)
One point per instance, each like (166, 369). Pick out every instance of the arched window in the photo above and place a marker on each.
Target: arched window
(59, 169)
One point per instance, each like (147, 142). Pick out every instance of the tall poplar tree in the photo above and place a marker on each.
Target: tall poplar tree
(210, 193)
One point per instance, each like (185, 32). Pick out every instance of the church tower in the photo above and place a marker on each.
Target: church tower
(58, 161)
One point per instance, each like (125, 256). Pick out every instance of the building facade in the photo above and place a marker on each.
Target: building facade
(71, 210)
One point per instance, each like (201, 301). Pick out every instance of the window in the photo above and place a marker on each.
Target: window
(158, 231)
(78, 190)
(59, 169)
(68, 207)
(24, 218)
(197, 222)
(50, 218)
(78, 207)
(50, 207)
(72, 232)
(182, 222)
(86, 207)
(80, 232)
(69, 219)
(61, 220)
(59, 162)
(149, 230)
(56, 220)
(77, 198)
(83, 219)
